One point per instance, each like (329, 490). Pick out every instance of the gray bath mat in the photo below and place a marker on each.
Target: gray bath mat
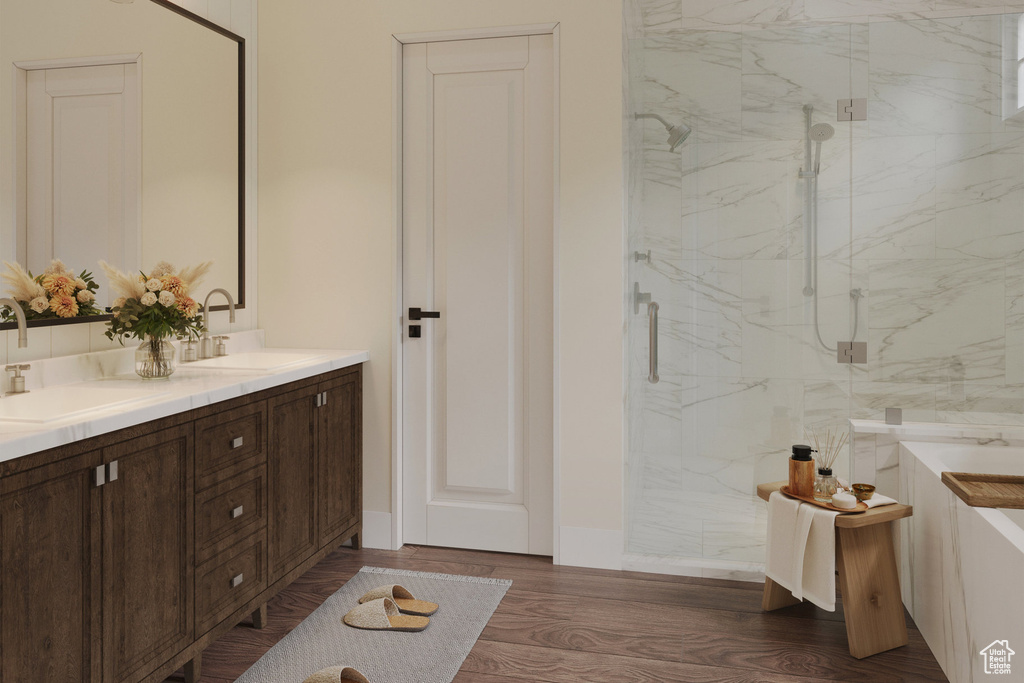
(430, 656)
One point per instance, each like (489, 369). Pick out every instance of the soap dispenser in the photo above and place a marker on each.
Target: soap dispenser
(801, 471)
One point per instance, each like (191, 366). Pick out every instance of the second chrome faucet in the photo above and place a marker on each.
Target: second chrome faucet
(207, 349)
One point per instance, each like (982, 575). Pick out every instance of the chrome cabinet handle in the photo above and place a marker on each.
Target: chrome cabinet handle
(112, 471)
(237, 442)
(237, 581)
(237, 512)
(652, 318)
(100, 475)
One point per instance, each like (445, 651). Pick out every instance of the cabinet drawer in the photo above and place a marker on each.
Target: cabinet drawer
(229, 581)
(229, 442)
(229, 511)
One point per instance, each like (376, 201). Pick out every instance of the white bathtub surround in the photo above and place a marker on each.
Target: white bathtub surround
(186, 389)
(961, 567)
(876, 453)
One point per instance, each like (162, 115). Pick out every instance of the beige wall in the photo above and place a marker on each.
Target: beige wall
(326, 197)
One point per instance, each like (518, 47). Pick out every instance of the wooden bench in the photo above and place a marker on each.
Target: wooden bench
(868, 578)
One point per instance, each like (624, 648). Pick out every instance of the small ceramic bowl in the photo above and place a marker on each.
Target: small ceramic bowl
(863, 491)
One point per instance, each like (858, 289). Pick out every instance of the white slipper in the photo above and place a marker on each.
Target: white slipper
(336, 674)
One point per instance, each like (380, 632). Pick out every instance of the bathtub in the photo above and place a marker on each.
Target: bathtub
(962, 568)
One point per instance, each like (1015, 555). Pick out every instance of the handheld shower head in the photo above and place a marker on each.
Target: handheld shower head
(676, 134)
(819, 133)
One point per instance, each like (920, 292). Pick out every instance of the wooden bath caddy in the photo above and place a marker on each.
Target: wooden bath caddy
(987, 490)
(861, 505)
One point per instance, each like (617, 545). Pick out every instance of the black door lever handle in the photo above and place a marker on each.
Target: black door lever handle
(419, 314)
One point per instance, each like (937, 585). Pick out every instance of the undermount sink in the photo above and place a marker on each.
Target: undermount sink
(59, 403)
(254, 361)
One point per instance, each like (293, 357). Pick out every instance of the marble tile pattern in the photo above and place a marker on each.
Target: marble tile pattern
(920, 208)
(737, 15)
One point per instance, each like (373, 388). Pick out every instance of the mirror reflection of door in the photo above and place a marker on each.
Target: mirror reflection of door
(82, 167)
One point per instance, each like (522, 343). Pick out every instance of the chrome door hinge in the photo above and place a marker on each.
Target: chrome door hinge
(852, 352)
(852, 110)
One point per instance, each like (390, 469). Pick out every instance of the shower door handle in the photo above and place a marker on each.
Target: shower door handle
(652, 319)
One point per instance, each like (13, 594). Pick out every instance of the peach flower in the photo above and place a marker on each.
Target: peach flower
(59, 284)
(188, 306)
(64, 306)
(174, 285)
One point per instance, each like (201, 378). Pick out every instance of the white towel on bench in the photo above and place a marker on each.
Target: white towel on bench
(802, 550)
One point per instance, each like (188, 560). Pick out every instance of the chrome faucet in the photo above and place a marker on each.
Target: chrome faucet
(206, 347)
(20, 315)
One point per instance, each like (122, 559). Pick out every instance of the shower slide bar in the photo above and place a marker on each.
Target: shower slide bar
(644, 298)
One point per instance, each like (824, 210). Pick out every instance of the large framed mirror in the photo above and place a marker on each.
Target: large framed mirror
(122, 138)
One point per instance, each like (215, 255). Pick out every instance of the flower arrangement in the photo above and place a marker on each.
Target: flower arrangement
(156, 305)
(57, 293)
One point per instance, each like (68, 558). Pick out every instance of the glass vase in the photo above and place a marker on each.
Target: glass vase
(154, 359)
(825, 485)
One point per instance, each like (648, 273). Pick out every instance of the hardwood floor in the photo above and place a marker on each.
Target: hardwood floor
(562, 624)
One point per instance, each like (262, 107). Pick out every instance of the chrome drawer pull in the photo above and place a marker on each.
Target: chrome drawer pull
(237, 581)
(237, 442)
(237, 512)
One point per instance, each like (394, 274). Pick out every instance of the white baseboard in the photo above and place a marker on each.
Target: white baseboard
(376, 530)
(595, 548)
(686, 566)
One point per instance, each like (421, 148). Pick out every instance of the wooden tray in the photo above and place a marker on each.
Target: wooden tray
(987, 490)
(861, 505)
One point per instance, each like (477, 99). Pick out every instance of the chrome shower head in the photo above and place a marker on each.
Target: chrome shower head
(820, 132)
(676, 134)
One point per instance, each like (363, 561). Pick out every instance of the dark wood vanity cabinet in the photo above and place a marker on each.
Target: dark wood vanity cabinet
(315, 469)
(123, 556)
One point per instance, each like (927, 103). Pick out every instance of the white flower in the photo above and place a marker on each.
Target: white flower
(80, 283)
(154, 284)
(161, 269)
(39, 304)
(119, 302)
(56, 267)
(166, 298)
(85, 296)
(148, 299)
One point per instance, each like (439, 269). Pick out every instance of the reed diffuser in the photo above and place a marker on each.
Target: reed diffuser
(825, 483)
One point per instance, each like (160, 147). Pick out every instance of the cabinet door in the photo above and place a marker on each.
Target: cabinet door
(49, 573)
(340, 452)
(291, 479)
(147, 553)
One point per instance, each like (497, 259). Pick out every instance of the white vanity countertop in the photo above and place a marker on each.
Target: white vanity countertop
(188, 388)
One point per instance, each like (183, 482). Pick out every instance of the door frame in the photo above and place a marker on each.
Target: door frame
(397, 313)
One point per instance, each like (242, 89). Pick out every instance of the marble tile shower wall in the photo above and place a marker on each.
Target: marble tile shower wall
(920, 208)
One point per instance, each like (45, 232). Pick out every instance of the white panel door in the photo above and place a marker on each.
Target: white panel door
(82, 167)
(477, 250)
